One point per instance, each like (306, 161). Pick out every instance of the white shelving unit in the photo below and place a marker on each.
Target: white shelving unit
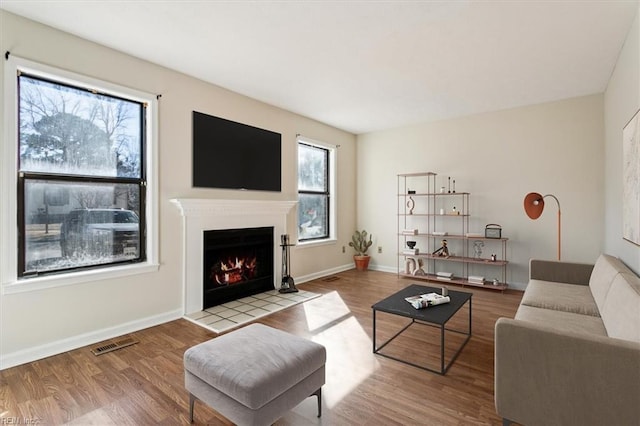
(428, 215)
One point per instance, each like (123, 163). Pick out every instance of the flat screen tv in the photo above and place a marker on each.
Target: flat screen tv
(232, 155)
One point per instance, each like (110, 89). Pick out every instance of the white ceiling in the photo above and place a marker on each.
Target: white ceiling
(365, 65)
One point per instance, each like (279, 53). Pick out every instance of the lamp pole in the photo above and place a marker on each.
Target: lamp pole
(559, 221)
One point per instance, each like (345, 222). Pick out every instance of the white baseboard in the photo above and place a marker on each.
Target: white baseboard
(383, 268)
(332, 271)
(326, 272)
(75, 342)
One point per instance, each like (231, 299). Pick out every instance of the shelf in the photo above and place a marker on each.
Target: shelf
(456, 280)
(445, 237)
(452, 237)
(489, 262)
(421, 214)
(419, 174)
(458, 259)
(431, 194)
(420, 234)
(434, 214)
(444, 194)
(486, 239)
(417, 194)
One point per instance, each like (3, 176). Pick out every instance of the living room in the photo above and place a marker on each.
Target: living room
(571, 147)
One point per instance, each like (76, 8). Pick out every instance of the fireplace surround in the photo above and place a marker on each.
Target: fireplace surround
(200, 215)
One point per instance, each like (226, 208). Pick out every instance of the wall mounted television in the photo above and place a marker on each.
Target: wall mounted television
(232, 155)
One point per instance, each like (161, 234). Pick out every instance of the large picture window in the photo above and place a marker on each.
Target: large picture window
(315, 183)
(81, 177)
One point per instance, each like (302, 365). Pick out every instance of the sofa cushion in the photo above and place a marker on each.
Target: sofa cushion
(621, 312)
(561, 320)
(560, 297)
(604, 271)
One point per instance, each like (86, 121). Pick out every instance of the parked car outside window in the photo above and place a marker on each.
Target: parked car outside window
(100, 232)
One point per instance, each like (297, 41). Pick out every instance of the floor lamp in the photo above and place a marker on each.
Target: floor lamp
(533, 206)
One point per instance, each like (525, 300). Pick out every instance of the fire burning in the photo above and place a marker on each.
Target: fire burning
(234, 271)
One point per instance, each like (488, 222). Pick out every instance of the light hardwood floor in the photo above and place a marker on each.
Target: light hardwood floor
(144, 383)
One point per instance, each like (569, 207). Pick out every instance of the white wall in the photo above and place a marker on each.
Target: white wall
(571, 148)
(622, 101)
(498, 157)
(39, 323)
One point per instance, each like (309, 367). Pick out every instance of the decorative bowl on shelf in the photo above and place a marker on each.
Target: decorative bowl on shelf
(411, 244)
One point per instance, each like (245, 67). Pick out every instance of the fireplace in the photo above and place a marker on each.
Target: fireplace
(201, 215)
(237, 263)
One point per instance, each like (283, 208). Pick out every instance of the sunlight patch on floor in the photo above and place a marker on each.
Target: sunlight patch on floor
(350, 358)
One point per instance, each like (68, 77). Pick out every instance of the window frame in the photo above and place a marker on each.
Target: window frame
(332, 167)
(10, 281)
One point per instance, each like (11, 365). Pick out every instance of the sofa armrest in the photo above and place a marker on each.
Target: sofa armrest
(561, 272)
(547, 377)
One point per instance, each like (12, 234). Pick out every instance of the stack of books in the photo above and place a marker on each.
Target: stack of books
(409, 232)
(412, 251)
(439, 233)
(446, 276)
(474, 279)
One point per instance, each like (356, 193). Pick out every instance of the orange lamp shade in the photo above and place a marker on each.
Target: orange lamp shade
(533, 205)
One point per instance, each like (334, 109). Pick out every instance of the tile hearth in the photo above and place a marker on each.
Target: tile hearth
(233, 314)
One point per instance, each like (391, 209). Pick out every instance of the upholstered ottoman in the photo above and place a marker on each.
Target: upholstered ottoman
(254, 375)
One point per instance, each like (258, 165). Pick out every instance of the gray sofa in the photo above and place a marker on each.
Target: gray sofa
(571, 355)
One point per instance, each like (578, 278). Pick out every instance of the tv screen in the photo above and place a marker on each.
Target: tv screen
(232, 155)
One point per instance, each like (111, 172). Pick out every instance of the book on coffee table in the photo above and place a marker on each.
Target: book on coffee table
(428, 299)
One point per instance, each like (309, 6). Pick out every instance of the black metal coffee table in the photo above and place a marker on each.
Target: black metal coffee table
(435, 316)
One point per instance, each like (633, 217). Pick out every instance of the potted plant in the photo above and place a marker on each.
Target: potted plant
(360, 244)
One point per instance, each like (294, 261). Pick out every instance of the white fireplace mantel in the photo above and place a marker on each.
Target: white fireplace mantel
(203, 206)
(199, 215)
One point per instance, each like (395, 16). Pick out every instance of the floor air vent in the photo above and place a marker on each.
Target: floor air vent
(113, 346)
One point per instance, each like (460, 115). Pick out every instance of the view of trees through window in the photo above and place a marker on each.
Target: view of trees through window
(313, 192)
(80, 178)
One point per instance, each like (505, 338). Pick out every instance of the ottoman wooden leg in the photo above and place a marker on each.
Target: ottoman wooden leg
(192, 400)
(318, 394)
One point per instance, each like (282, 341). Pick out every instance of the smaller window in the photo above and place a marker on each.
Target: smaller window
(315, 182)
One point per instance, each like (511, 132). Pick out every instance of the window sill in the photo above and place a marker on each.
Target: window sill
(317, 243)
(52, 281)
